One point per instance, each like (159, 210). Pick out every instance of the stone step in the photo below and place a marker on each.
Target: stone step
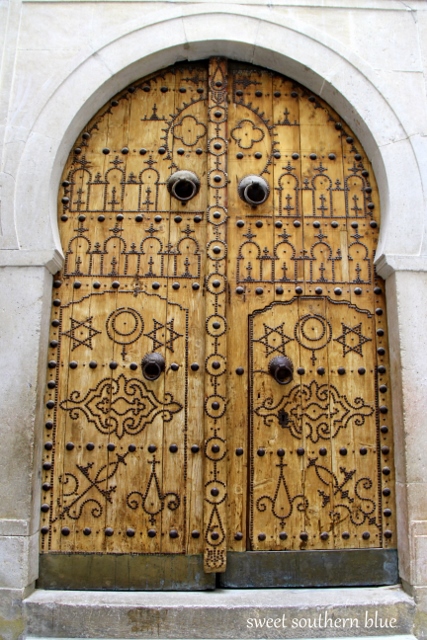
(371, 612)
(399, 637)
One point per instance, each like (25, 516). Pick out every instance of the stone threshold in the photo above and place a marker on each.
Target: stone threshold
(400, 637)
(370, 612)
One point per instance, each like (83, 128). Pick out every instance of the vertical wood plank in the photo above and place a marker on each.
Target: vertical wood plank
(216, 401)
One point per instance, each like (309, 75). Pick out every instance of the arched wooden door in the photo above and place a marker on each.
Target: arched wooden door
(217, 397)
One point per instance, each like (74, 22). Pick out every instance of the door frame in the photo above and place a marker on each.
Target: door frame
(353, 103)
(68, 573)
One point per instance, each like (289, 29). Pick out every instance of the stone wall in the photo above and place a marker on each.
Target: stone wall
(62, 60)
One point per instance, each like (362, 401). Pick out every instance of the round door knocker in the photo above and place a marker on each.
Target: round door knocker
(282, 369)
(253, 189)
(153, 365)
(183, 185)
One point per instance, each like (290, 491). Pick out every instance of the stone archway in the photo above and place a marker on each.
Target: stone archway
(57, 121)
(292, 251)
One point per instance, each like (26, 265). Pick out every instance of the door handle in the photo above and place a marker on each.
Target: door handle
(183, 185)
(253, 189)
(153, 365)
(281, 369)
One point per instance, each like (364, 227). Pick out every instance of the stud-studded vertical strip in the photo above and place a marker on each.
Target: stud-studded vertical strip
(216, 342)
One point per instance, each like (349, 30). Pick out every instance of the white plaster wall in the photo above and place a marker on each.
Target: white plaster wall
(63, 59)
(71, 56)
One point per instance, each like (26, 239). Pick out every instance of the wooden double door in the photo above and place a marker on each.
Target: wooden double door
(217, 379)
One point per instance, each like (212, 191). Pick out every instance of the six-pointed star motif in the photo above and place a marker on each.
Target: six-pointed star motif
(274, 339)
(81, 333)
(352, 339)
(169, 335)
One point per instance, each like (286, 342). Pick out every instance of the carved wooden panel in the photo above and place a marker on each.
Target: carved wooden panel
(216, 395)
(316, 471)
(215, 453)
(123, 455)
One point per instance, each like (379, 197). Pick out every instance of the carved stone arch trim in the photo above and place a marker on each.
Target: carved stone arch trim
(53, 135)
(320, 63)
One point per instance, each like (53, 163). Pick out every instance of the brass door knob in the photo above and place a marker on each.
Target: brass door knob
(153, 365)
(282, 369)
(253, 189)
(183, 185)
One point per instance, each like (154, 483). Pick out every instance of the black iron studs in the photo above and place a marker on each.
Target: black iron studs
(324, 535)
